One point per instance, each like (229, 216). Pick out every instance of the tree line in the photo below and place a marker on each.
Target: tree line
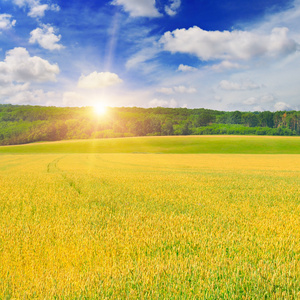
(25, 124)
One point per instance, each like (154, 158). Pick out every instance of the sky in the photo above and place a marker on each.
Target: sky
(224, 55)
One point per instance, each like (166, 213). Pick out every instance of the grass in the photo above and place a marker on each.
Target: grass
(178, 144)
(148, 226)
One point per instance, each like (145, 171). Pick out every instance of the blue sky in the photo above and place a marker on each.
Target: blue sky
(225, 55)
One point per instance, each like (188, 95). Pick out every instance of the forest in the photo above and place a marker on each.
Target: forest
(20, 124)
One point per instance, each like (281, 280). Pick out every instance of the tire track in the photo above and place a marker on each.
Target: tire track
(53, 168)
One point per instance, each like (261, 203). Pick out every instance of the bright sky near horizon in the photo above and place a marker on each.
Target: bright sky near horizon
(225, 55)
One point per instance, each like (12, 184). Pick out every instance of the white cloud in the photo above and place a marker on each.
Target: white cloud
(251, 101)
(98, 80)
(226, 65)
(267, 98)
(235, 86)
(36, 9)
(138, 8)
(23, 94)
(185, 68)
(19, 66)
(267, 101)
(181, 89)
(258, 108)
(163, 103)
(228, 45)
(17, 72)
(46, 38)
(6, 22)
(276, 74)
(29, 97)
(172, 9)
(166, 91)
(286, 18)
(282, 106)
(11, 89)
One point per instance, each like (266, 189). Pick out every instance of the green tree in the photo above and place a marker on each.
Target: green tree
(266, 119)
(167, 128)
(250, 119)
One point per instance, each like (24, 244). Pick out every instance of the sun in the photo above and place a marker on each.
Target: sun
(99, 109)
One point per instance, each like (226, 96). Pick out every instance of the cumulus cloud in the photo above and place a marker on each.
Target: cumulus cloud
(172, 9)
(29, 97)
(185, 68)
(98, 80)
(282, 106)
(228, 45)
(46, 38)
(163, 103)
(139, 8)
(6, 21)
(181, 89)
(260, 103)
(18, 70)
(15, 93)
(19, 66)
(267, 100)
(36, 9)
(235, 86)
(10, 89)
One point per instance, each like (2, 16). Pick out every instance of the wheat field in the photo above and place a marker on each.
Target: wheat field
(149, 226)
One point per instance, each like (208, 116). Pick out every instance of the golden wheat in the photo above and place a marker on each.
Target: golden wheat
(117, 226)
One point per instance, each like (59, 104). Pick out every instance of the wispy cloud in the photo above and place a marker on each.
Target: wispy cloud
(235, 86)
(181, 89)
(227, 65)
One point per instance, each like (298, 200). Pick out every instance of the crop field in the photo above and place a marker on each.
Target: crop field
(167, 144)
(150, 225)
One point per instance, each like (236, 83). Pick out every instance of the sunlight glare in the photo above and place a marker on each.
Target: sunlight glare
(99, 109)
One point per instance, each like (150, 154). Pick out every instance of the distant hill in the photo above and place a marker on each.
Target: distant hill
(25, 124)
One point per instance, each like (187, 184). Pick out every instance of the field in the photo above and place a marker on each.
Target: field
(167, 144)
(151, 218)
